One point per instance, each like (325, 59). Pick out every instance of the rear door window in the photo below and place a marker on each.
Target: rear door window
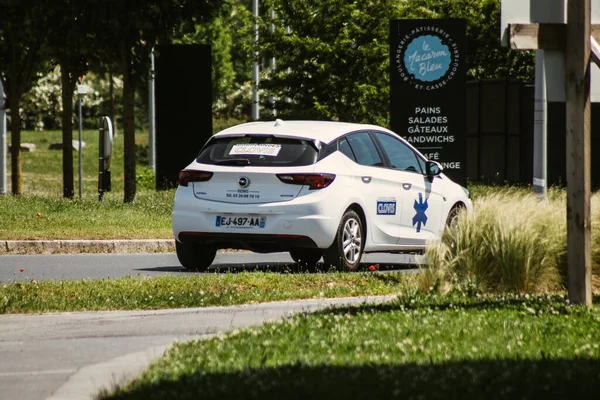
(400, 155)
(364, 149)
(346, 150)
(260, 151)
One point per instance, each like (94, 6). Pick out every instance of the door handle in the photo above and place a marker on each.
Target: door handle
(366, 179)
(407, 186)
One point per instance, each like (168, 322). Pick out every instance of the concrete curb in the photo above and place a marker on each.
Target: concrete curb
(86, 246)
(88, 381)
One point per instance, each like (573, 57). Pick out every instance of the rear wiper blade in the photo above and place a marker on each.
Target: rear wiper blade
(233, 161)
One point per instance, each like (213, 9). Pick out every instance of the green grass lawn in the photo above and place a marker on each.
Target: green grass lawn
(42, 212)
(418, 347)
(42, 168)
(193, 290)
(52, 217)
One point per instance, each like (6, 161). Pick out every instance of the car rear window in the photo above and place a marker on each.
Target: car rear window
(259, 150)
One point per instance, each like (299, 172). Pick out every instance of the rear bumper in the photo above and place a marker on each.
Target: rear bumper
(260, 243)
(306, 221)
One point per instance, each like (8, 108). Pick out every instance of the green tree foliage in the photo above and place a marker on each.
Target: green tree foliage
(42, 106)
(486, 59)
(218, 35)
(230, 38)
(22, 51)
(240, 24)
(69, 40)
(126, 31)
(34, 35)
(334, 62)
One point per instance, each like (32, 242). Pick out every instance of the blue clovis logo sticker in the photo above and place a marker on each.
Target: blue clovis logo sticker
(420, 217)
(427, 58)
(387, 207)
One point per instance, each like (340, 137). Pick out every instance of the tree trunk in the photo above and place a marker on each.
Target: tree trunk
(67, 130)
(15, 142)
(128, 126)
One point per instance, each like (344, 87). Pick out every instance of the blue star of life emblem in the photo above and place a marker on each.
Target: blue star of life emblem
(420, 218)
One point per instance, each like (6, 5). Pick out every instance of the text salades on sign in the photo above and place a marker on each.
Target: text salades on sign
(428, 89)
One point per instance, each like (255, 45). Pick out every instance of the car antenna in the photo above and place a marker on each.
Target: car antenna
(279, 122)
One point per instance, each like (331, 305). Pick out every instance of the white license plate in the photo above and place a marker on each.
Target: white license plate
(240, 221)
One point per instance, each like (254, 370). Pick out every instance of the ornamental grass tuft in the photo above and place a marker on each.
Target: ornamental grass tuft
(513, 241)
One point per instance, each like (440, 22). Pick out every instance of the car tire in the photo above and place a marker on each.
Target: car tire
(194, 256)
(452, 220)
(451, 224)
(307, 258)
(351, 232)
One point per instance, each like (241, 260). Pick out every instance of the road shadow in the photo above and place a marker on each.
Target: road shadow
(554, 304)
(488, 379)
(230, 268)
(275, 267)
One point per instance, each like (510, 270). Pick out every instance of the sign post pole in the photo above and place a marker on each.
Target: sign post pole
(80, 160)
(540, 121)
(101, 141)
(81, 90)
(151, 115)
(574, 39)
(3, 148)
(577, 80)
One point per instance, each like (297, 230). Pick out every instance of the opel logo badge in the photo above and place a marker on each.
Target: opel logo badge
(244, 182)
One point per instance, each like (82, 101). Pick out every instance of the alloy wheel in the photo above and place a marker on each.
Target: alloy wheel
(352, 240)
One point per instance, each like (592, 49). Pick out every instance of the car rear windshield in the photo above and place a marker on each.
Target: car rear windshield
(259, 150)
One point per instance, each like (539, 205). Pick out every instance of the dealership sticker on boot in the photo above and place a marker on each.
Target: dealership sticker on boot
(263, 149)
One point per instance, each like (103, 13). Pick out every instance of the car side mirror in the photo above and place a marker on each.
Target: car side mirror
(433, 168)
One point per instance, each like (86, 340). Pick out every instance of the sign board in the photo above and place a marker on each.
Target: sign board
(107, 140)
(183, 111)
(427, 61)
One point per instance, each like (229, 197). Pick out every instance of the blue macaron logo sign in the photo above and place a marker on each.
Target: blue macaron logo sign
(427, 58)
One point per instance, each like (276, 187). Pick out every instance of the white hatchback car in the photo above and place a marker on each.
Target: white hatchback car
(315, 189)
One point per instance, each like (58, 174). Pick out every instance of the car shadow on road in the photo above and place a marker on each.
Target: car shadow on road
(274, 267)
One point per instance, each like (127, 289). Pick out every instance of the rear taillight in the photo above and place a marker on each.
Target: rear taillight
(313, 181)
(187, 176)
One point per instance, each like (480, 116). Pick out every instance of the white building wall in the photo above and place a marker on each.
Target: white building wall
(548, 11)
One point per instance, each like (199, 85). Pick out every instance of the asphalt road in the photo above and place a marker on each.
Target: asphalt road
(71, 356)
(99, 266)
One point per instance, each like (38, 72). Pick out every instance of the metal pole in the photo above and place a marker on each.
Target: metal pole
(3, 148)
(540, 133)
(101, 159)
(289, 69)
(272, 60)
(80, 155)
(255, 75)
(152, 116)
